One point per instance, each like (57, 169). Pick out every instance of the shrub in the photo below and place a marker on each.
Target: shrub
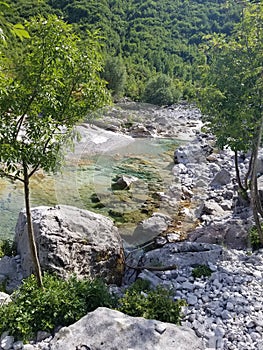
(59, 303)
(140, 285)
(162, 90)
(201, 270)
(254, 238)
(7, 247)
(156, 304)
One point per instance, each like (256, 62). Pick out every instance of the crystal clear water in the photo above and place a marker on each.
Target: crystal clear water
(87, 183)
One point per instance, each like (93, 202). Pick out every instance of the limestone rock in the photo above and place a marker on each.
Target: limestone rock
(124, 182)
(183, 254)
(151, 228)
(211, 207)
(223, 177)
(10, 274)
(139, 130)
(4, 298)
(72, 241)
(106, 329)
(229, 232)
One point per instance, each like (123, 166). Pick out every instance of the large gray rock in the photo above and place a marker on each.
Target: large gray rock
(10, 273)
(223, 177)
(105, 329)
(150, 228)
(182, 254)
(72, 241)
(232, 233)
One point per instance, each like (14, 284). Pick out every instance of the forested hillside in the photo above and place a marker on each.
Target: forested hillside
(144, 38)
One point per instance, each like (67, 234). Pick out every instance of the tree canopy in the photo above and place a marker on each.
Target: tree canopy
(51, 85)
(150, 37)
(232, 95)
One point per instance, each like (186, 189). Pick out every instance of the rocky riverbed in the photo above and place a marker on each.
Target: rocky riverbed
(225, 307)
(207, 228)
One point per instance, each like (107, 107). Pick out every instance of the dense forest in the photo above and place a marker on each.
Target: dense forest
(146, 43)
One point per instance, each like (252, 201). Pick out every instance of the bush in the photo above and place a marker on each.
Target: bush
(201, 270)
(7, 247)
(156, 304)
(254, 238)
(162, 90)
(59, 303)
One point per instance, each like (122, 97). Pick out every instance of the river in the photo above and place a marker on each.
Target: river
(87, 183)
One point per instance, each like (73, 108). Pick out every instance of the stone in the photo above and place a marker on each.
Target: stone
(29, 347)
(226, 315)
(191, 299)
(139, 130)
(41, 335)
(187, 286)
(124, 182)
(223, 177)
(212, 208)
(4, 299)
(150, 228)
(9, 273)
(232, 233)
(183, 254)
(95, 140)
(106, 329)
(72, 241)
(151, 277)
(18, 345)
(229, 306)
(7, 342)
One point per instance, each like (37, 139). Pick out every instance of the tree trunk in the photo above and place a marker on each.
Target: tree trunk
(30, 230)
(255, 200)
(240, 185)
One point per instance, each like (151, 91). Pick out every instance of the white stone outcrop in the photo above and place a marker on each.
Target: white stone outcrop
(106, 329)
(72, 241)
(150, 228)
(4, 298)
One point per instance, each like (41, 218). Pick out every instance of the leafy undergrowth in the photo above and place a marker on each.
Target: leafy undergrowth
(59, 303)
(63, 302)
(141, 301)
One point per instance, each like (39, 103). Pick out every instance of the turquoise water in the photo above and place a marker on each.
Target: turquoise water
(87, 183)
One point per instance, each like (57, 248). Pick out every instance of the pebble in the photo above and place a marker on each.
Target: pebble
(233, 318)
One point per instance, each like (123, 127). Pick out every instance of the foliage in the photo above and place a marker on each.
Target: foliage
(140, 285)
(151, 36)
(231, 97)
(115, 74)
(7, 28)
(162, 90)
(7, 247)
(201, 271)
(60, 303)
(254, 238)
(154, 304)
(44, 92)
(49, 88)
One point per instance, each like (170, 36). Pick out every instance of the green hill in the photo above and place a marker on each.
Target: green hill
(144, 38)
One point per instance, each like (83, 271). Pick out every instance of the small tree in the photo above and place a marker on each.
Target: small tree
(115, 75)
(233, 96)
(43, 94)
